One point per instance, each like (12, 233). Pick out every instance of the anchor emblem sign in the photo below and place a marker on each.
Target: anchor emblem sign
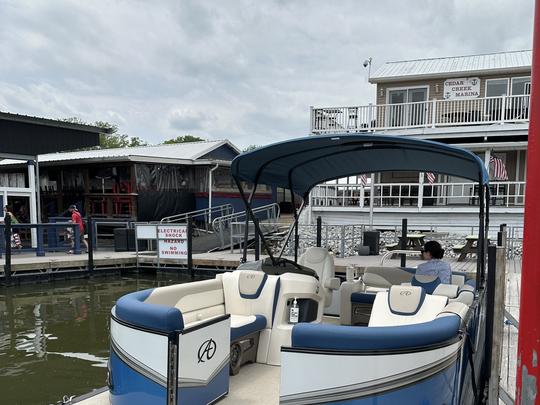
(207, 350)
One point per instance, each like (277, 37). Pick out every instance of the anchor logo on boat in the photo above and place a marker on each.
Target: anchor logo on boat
(207, 350)
(407, 293)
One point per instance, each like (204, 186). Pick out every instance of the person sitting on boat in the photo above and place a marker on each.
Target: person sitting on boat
(433, 253)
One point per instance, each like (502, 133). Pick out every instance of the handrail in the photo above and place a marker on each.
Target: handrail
(205, 212)
(269, 212)
(430, 113)
(507, 193)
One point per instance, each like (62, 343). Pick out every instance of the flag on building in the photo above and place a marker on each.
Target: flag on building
(430, 177)
(362, 179)
(498, 168)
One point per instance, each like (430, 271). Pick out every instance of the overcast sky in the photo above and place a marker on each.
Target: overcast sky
(243, 70)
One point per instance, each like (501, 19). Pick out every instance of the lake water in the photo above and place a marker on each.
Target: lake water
(54, 337)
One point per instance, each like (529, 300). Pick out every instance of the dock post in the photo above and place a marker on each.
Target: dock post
(40, 251)
(403, 241)
(190, 247)
(319, 231)
(7, 238)
(91, 245)
(498, 319)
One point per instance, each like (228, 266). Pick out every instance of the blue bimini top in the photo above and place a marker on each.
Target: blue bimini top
(302, 163)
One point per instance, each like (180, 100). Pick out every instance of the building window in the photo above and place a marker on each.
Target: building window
(521, 86)
(407, 106)
(496, 87)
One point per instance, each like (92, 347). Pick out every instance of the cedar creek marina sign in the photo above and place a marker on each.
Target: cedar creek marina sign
(462, 89)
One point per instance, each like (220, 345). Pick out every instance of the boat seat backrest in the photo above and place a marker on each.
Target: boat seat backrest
(428, 283)
(196, 301)
(465, 295)
(458, 278)
(249, 292)
(384, 277)
(320, 260)
(405, 305)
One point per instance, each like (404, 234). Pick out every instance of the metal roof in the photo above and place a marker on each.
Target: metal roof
(185, 152)
(454, 66)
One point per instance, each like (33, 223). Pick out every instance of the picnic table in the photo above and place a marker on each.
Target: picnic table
(470, 247)
(414, 241)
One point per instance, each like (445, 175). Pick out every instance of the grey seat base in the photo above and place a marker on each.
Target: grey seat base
(243, 350)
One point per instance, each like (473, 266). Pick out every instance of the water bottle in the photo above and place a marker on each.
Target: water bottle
(294, 312)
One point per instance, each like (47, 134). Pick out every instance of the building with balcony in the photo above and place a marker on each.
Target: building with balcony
(479, 102)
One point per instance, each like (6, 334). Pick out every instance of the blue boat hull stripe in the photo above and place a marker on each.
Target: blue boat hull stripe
(138, 366)
(373, 387)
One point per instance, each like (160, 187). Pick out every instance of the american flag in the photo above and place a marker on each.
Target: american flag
(363, 180)
(430, 177)
(499, 168)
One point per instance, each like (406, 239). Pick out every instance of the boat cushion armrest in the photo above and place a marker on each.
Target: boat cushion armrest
(332, 283)
(340, 337)
(242, 325)
(133, 309)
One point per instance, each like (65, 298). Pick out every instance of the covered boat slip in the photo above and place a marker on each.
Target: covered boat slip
(396, 336)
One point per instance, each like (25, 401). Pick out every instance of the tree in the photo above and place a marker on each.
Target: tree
(183, 139)
(250, 148)
(112, 139)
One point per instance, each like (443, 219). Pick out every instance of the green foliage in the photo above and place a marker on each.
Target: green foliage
(250, 148)
(112, 139)
(183, 139)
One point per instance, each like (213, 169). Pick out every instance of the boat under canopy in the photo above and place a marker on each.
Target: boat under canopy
(397, 337)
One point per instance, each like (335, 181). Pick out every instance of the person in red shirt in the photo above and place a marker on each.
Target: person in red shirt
(76, 218)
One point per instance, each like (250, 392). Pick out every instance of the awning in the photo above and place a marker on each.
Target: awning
(31, 136)
(302, 163)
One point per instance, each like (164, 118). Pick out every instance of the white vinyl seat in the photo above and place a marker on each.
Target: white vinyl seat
(405, 305)
(250, 299)
(320, 260)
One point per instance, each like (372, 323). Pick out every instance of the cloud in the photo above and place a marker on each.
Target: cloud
(244, 70)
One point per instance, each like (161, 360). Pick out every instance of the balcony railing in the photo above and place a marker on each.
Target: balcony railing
(434, 113)
(502, 193)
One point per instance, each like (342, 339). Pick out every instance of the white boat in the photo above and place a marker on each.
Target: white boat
(398, 337)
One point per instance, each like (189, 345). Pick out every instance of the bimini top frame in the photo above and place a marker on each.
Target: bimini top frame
(300, 164)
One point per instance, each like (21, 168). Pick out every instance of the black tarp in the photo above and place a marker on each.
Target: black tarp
(154, 205)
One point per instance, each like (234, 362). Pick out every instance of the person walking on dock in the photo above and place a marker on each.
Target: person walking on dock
(15, 238)
(76, 218)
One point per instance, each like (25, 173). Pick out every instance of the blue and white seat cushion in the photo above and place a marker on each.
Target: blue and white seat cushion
(405, 305)
(243, 325)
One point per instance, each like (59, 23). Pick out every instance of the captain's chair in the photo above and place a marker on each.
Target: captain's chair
(322, 262)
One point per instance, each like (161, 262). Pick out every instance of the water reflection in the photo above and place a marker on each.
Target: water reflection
(54, 337)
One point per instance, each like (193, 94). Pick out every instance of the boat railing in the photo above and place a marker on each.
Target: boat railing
(503, 193)
(203, 218)
(223, 226)
(430, 113)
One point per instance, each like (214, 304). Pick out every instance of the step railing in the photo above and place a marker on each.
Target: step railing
(266, 214)
(431, 113)
(203, 217)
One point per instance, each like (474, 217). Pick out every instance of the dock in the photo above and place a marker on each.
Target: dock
(28, 266)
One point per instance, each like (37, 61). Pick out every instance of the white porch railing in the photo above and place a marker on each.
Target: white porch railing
(503, 193)
(434, 113)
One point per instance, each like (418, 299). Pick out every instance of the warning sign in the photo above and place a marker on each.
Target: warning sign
(172, 241)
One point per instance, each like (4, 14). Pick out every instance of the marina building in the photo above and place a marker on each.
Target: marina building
(143, 183)
(479, 102)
